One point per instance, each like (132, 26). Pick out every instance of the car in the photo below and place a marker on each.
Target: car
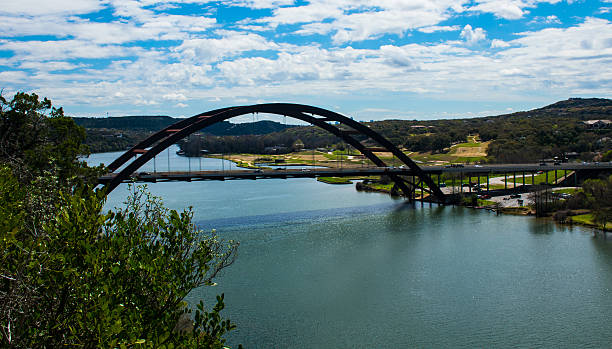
(305, 170)
(542, 163)
(258, 170)
(145, 173)
(557, 163)
(477, 165)
(515, 196)
(484, 196)
(278, 169)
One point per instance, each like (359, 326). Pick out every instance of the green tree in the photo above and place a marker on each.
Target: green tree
(73, 275)
(36, 137)
(599, 193)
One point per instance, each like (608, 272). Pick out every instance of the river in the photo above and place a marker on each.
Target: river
(325, 266)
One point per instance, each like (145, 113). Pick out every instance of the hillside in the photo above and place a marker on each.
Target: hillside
(525, 136)
(120, 133)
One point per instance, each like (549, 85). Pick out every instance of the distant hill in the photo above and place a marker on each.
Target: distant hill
(580, 103)
(120, 133)
(156, 123)
(524, 136)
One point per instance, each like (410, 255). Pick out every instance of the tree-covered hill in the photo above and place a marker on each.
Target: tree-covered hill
(524, 136)
(119, 133)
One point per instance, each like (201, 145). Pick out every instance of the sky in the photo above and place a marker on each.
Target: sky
(371, 60)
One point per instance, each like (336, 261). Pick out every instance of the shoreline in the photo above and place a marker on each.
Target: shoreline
(514, 210)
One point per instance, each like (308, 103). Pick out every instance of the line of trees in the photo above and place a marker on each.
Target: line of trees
(74, 275)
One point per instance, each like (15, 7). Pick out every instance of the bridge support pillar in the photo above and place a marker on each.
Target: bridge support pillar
(487, 182)
(575, 178)
(523, 179)
(532, 179)
(546, 177)
(505, 181)
(422, 193)
(470, 182)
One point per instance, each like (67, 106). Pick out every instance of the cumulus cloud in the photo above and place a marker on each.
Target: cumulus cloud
(472, 36)
(552, 19)
(507, 9)
(37, 8)
(496, 43)
(151, 59)
(353, 21)
(230, 43)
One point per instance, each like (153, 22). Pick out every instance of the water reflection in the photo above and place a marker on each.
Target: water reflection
(540, 226)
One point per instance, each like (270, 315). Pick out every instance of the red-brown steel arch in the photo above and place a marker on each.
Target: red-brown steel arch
(161, 140)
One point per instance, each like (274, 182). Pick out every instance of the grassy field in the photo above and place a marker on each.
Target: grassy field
(469, 152)
(587, 219)
(571, 191)
(334, 180)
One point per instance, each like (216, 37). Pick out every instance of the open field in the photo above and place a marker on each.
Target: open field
(587, 219)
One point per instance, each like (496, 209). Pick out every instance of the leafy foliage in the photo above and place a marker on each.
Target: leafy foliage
(73, 275)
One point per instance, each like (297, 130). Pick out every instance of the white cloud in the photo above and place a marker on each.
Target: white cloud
(496, 43)
(230, 44)
(473, 36)
(64, 49)
(604, 10)
(145, 27)
(50, 65)
(508, 9)
(352, 21)
(173, 96)
(552, 19)
(436, 28)
(204, 62)
(37, 8)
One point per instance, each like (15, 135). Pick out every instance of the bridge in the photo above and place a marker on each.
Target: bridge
(408, 177)
(369, 142)
(509, 171)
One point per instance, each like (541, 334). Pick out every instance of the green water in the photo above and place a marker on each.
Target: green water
(324, 266)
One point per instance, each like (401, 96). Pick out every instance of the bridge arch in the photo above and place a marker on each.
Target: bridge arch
(156, 143)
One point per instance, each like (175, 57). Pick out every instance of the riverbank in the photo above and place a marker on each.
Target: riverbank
(504, 204)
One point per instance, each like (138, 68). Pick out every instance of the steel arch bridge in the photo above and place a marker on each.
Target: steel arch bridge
(156, 143)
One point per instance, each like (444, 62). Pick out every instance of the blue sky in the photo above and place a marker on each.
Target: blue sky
(408, 59)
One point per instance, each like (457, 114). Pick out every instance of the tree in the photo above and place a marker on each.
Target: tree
(73, 275)
(599, 193)
(36, 137)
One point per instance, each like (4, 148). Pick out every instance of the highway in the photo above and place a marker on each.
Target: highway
(291, 172)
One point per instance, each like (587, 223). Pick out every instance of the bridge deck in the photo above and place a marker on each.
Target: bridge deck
(350, 172)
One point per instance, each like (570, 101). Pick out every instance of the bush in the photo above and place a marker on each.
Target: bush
(108, 280)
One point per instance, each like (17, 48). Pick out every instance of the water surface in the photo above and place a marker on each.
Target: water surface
(324, 266)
